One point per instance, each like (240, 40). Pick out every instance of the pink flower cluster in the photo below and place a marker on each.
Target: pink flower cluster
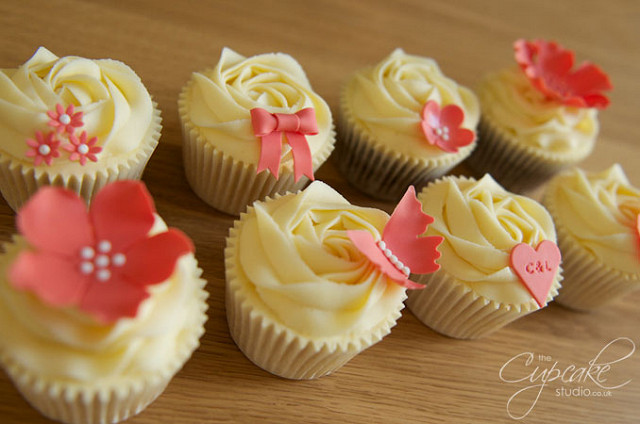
(45, 147)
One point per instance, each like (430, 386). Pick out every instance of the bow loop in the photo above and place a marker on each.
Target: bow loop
(270, 127)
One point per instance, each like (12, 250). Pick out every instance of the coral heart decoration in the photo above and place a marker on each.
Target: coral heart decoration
(536, 268)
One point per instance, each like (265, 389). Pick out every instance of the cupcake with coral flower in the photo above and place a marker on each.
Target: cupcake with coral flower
(312, 281)
(403, 122)
(72, 122)
(597, 215)
(539, 117)
(252, 127)
(100, 308)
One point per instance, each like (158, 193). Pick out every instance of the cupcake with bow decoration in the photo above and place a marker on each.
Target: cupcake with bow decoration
(538, 117)
(403, 122)
(311, 280)
(72, 122)
(100, 308)
(252, 127)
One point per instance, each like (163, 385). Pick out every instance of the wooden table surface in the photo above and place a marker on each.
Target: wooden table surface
(414, 374)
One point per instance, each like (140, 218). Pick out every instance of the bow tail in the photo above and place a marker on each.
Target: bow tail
(302, 162)
(270, 152)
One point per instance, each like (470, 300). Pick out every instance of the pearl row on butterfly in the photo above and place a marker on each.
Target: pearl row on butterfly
(394, 259)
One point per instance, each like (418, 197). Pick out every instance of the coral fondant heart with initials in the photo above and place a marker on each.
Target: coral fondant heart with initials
(536, 268)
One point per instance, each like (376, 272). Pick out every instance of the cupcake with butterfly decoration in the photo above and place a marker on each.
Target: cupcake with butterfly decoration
(311, 280)
(72, 122)
(538, 117)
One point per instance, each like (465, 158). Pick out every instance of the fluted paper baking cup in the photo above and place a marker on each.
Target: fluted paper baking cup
(380, 171)
(515, 166)
(20, 180)
(227, 184)
(589, 282)
(97, 402)
(271, 345)
(452, 308)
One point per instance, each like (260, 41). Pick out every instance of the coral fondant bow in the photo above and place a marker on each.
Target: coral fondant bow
(271, 126)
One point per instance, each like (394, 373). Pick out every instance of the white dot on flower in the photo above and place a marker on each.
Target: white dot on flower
(103, 275)
(104, 246)
(439, 131)
(382, 245)
(445, 130)
(118, 259)
(44, 149)
(102, 261)
(86, 268)
(83, 149)
(64, 119)
(87, 252)
(445, 137)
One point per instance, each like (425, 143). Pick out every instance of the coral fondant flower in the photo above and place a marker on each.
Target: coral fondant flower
(81, 149)
(548, 67)
(99, 261)
(65, 120)
(44, 148)
(442, 127)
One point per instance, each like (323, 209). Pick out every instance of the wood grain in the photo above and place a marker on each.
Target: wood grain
(413, 375)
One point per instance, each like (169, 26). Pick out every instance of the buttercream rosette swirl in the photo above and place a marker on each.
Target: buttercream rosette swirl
(476, 291)
(115, 108)
(383, 149)
(294, 276)
(221, 149)
(596, 215)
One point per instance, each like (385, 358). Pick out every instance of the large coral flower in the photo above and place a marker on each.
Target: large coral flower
(100, 261)
(548, 67)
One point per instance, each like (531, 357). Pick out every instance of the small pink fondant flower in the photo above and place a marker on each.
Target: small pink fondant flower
(442, 127)
(81, 149)
(548, 67)
(100, 262)
(65, 120)
(43, 148)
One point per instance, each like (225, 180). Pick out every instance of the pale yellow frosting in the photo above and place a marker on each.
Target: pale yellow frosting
(386, 101)
(481, 222)
(116, 107)
(600, 211)
(294, 254)
(518, 109)
(218, 102)
(68, 346)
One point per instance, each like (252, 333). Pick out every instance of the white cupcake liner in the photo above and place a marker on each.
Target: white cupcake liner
(103, 403)
(515, 166)
(271, 345)
(452, 308)
(227, 184)
(20, 180)
(589, 283)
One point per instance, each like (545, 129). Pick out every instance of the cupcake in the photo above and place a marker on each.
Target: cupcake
(72, 122)
(403, 122)
(311, 280)
(596, 216)
(499, 258)
(252, 127)
(98, 310)
(538, 118)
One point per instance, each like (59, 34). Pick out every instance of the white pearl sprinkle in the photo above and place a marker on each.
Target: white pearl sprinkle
(393, 259)
(406, 271)
(118, 259)
(439, 131)
(387, 253)
(103, 275)
(445, 130)
(445, 137)
(44, 149)
(104, 246)
(399, 264)
(87, 252)
(382, 245)
(86, 268)
(64, 119)
(83, 149)
(102, 261)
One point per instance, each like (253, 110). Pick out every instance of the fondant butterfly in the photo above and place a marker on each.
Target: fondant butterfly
(401, 250)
